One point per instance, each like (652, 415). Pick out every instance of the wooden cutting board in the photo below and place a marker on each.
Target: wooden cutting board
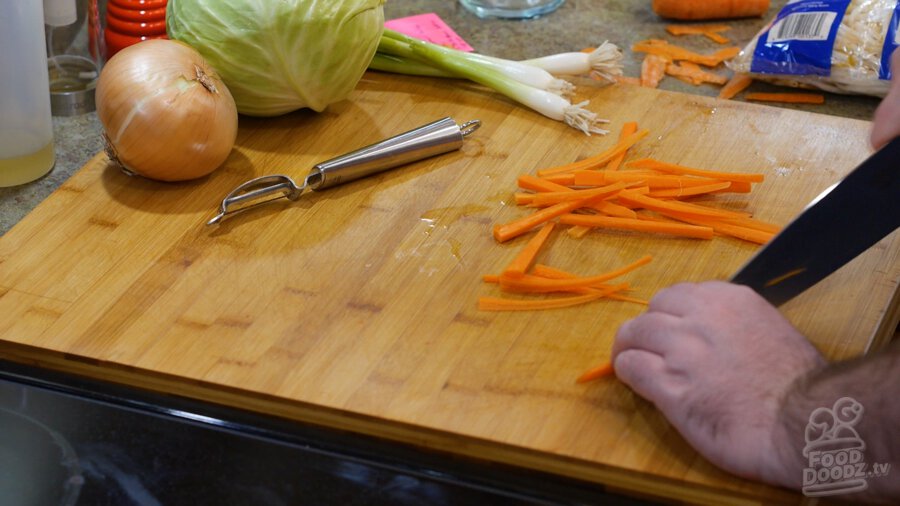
(356, 307)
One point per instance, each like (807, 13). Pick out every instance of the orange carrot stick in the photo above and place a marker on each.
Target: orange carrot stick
(628, 128)
(543, 185)
(537, 284)
(522, 225)
(654, 182)
(601, 371)
(540, 184)
(549, 198)
(599, 159)
(678, 229)
(735, 85)
(684, 208)
(649, 163)
(504, 304)
(551, 272)
(789, 98)
(523, 199)
(520, 264)
(731, 228)
(561, 179)
(690, 191)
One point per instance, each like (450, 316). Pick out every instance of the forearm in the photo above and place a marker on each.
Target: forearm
(862, 438)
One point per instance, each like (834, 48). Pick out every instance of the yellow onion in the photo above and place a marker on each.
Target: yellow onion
(165, 113)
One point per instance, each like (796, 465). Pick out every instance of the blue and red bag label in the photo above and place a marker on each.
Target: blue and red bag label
(800, 40)
(891, 42)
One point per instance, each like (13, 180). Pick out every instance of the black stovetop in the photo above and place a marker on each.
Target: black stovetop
(65, 440)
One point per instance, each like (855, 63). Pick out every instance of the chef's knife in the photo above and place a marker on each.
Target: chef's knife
(858, 212)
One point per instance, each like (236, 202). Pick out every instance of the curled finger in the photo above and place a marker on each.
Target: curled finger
(651, 331)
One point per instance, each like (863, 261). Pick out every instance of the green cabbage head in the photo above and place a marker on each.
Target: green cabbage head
(278, 56)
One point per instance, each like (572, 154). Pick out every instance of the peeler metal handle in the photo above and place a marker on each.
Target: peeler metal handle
(441, 136)
(435, 138)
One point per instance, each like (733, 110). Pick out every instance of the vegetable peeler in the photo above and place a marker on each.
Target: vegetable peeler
(435, 138)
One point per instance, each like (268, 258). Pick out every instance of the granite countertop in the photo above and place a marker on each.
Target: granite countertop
(577, 24)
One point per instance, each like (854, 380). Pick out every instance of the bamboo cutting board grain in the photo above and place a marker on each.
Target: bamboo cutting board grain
(356, 307)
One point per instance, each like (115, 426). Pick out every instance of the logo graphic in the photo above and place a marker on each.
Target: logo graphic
(835, 451)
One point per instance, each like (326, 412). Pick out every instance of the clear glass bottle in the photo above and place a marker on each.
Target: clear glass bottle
(26, 126)
(73, 63)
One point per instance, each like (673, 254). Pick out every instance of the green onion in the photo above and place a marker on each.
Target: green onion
(527, 84)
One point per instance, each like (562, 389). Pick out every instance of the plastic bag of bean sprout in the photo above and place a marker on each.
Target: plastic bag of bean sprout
(841, 46)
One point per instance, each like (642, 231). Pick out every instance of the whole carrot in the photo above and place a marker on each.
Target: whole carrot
(709, 9)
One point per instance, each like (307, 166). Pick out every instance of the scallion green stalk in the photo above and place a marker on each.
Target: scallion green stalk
(545, 102)
(423, 58)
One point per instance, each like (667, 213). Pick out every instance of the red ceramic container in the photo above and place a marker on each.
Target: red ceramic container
(131, 21)
(114, 10)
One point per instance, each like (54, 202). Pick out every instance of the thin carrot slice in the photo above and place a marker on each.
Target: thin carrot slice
(735, 85)
(789, 98)
(530, 182)
(649, 163)
(561, 179)
(523, 199)
(505, 304)
(600, 192)
(612, 209)
(537, 284)
(654, 182)
(653, 69)
(598, 160)
(690, 191)
(737, 187)
(747, 233)
(709, 31)
(725, 214)
(679, 229)
(539, 184)
(628, 128)
(601, 371)
(677, 53)
(663, 206)
(520, 264)
(552, 272)
(515, 228)
(691, 73)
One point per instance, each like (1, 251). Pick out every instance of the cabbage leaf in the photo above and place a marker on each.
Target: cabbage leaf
(277, 56)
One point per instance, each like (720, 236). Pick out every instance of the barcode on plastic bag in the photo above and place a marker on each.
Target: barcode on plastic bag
(803, 26)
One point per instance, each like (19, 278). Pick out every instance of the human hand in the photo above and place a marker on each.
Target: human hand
(717, 359)
(886, 124)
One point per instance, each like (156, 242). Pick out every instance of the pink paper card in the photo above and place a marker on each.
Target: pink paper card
(429, 27)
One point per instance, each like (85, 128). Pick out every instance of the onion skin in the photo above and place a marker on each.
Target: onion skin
(165, 113)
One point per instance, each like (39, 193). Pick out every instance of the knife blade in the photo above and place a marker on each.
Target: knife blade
(859, 211)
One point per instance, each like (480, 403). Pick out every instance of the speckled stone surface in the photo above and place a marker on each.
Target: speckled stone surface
(577, 24)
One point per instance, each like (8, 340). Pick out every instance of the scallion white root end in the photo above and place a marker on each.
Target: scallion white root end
(577, 116)
(606, 61)
(561, 87)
